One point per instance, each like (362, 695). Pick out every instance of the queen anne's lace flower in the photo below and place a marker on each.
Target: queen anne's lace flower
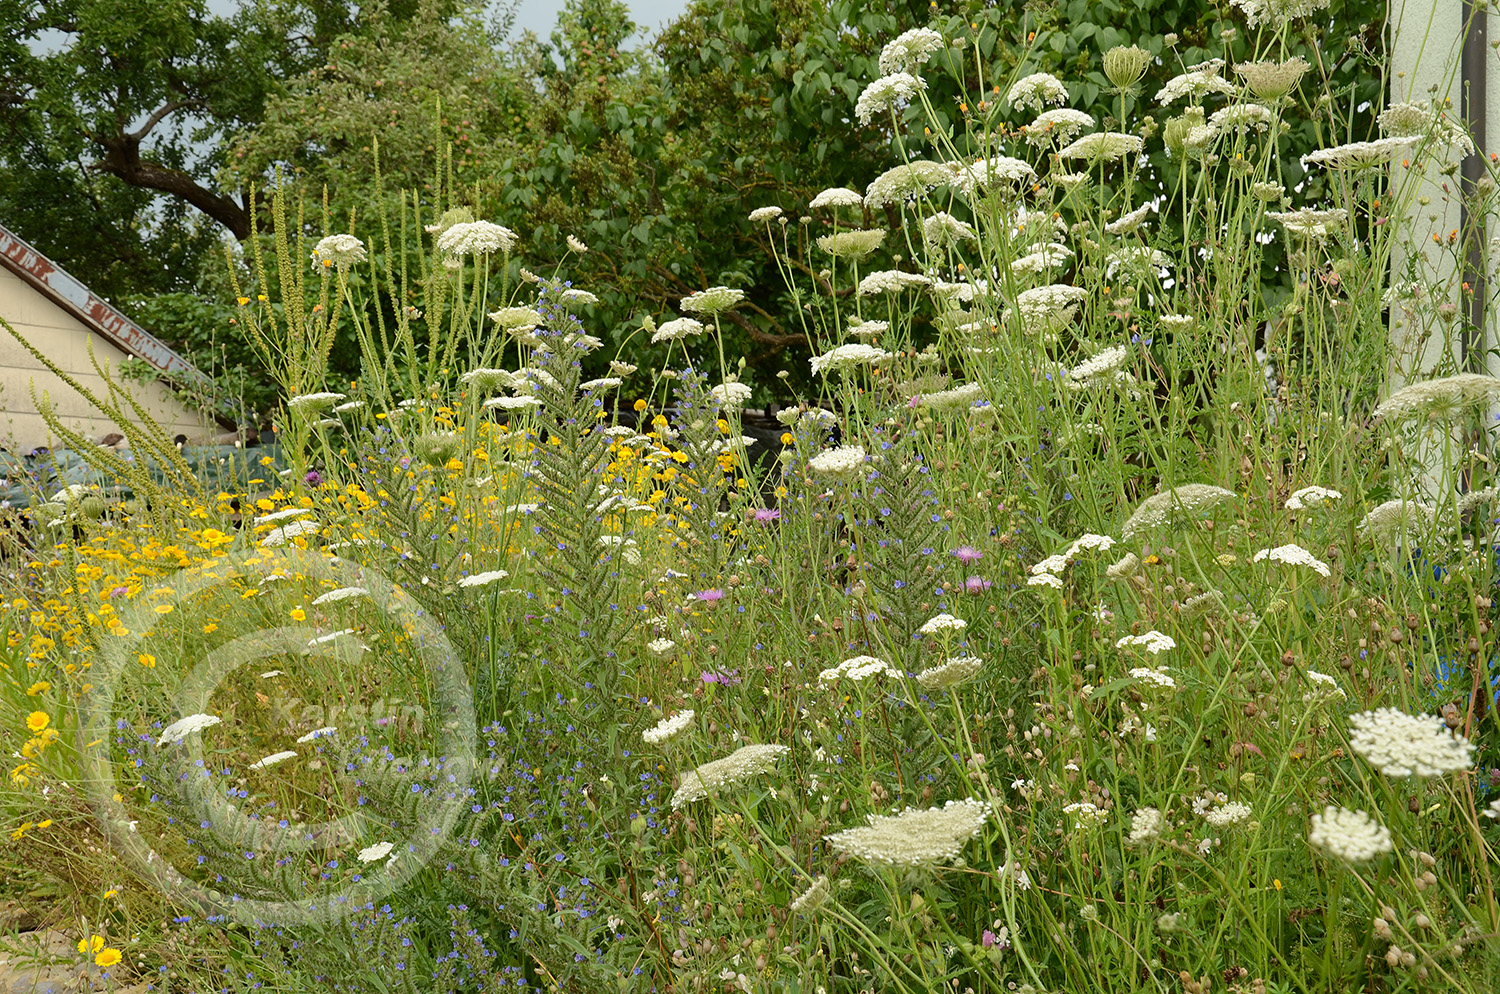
(869, 329)
(958, 398)
(956, 671)
(891, 281)
(890, 91)
(668, 728)
(340, 250)
(483, 579)
(909, 50)
(765, 214)
(269, 761)
(475, 238)
(1311, 497)
(899, 183)
(852, 245)
(379, 850)
(813, 898)
(842, 463)
(735, 769)
(284, 534)
(1404, 745)
(517, 319)
(1262, 13)
(914, 838)
(340, 594)
(1057, 126)
(1273, 80)
(1036, 91)
(1359, 155)
(314, 401)
(1325, 689)
(847, 357)
(942, 230)
(714, 300)
(730, 395)
(1449, 396)
(837, 196)
(1104, 146)
(1351, 836)
(1292, 555)
(183, 727)
(1158, 509)
(1194, 85)
(670, 331)
(1099, 368)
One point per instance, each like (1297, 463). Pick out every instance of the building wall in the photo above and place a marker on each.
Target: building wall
(66, 341)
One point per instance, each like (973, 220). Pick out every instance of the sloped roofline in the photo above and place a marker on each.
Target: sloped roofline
(69, 293)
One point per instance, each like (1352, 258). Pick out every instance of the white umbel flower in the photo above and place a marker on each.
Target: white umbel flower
(1103, 146)
(483, 579)
(339, 250)
(1450, 395)
(1292, 555)
(668, 729)
(1036, 91)
(671, 331)
(908, 51)
(847, 357)
(1156, 677)
(956, 671)
(475, 238)
(1058, 125)
(318, 733)
(714, 300)
(765, 214)
(1158, 509)
(314, 401)
(891, 281)
(272, 760)
(517, 319)
(813, 898)
(379, 850)
(183, 727)
(915, 838)
(284, 534)
(730, 395)
(891, 91)
(1351, 836)
(266, 519)
(1404, 745)
(837, 196)
(1228, 815)
(342, 593)
(739, 767)
(1311, 497)
(1273, 13)
(852, 245)
(842, 463)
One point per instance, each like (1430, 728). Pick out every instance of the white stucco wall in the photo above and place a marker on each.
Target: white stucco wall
(66, 341)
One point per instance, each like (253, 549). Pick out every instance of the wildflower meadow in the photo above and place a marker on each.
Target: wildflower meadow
(1114, 611)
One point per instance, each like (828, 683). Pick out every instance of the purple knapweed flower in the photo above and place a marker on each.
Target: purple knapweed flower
(766, 515)
(976, 585)
(967, 554)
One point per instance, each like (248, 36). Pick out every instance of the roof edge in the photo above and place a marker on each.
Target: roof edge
(100, 317)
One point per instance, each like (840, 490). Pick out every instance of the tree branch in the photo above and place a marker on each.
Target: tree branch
(122, 159)
(157, 116)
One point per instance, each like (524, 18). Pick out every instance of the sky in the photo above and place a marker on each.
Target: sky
(652, 15)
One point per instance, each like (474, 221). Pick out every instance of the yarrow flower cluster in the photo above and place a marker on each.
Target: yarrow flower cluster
(857, 669)
(1145, 827)
(735, 769)
(1153, 642)
(668, 728)
(915, 838)
(1351, 836)
(1157, 677)
(1227, 815)
(1404, 745)
(942, 623)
